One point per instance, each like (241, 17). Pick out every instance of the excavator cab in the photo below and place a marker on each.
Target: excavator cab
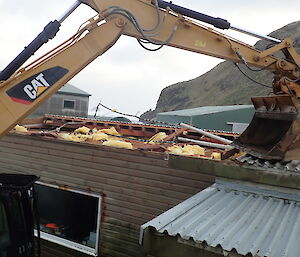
(17, 215)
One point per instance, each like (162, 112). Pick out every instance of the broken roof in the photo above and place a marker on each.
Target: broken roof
(242, 218)
(138, 136)
(52, 126)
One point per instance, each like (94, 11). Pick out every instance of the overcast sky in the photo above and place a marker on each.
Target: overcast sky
(127, 77)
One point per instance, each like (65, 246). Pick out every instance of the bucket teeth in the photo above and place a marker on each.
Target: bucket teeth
(274, 132)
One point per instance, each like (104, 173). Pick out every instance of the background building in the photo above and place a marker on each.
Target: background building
(211, 117)
(68, 101)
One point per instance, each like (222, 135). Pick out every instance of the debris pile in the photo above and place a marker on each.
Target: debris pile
(187, 150)
(20, 128)
(111, 137)
(106, 136)
(160, 136)
(194, 150)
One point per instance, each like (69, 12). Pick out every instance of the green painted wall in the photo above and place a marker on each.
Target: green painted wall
(213, 121)
(218, 121)
(173, 119)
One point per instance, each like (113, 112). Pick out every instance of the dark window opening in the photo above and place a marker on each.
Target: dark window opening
(69, 215)
(69, 104)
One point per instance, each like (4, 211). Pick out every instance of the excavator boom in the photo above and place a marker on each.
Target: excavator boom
(274, 131)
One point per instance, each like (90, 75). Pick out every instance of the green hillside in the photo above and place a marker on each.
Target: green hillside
(224, 84)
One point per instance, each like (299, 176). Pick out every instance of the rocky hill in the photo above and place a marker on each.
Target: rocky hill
(224, 84)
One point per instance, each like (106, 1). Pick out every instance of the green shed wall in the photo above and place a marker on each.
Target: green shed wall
(218, 121)
(174, 119)
(213, 121)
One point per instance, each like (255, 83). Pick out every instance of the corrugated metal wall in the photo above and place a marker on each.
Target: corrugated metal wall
(136, 186)
(55, 105)
(215, 120)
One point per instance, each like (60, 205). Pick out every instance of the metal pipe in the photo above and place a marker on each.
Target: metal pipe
(216, 22)
(205, 133)
(68, 12)
(254, 34)
(204, 143)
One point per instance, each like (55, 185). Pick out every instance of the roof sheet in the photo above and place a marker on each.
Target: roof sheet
(206, 110)
(70, 89)
(278, 166)
(245, 218)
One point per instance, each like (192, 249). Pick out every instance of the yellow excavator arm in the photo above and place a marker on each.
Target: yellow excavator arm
(161, 23)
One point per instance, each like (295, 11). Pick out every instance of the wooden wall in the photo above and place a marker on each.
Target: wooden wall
(136, 186)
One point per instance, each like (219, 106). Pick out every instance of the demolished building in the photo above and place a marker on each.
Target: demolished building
(95, 197)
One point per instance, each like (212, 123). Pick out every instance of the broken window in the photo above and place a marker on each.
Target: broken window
(69, 217)
(69, 104)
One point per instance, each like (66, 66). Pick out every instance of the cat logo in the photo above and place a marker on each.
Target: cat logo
(36, 87)
(28, 90)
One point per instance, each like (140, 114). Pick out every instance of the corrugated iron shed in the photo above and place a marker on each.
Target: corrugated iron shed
(210, 117)
(240, 218)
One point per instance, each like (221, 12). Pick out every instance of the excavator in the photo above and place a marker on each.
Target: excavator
(274, 132)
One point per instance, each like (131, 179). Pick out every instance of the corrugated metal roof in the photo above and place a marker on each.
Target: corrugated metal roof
(70, 89)
(206, 110)
(248, 219)
(278, 166)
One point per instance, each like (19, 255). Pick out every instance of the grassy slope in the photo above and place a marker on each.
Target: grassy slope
(224, 84)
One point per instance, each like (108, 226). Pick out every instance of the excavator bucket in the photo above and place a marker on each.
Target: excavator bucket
(274, 132)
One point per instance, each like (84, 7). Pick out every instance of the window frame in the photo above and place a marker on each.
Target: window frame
(65, 242)
(70, 100)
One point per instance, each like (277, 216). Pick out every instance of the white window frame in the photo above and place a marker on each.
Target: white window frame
(67, 243)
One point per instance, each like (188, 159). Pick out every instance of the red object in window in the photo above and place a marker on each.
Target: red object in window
(52, 225)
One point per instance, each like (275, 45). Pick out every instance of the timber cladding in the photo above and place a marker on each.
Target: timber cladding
(136, 186)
